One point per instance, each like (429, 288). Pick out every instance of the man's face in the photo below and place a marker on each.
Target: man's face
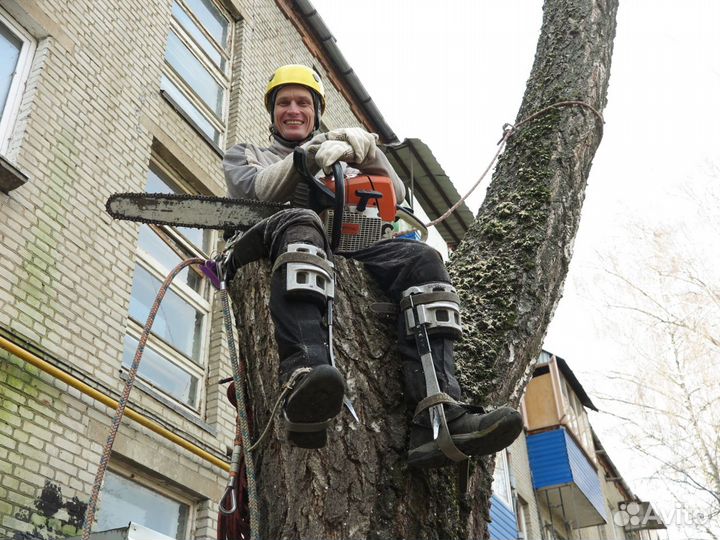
(294, 113)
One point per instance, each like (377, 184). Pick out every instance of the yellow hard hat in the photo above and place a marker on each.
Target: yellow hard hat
(295, 74)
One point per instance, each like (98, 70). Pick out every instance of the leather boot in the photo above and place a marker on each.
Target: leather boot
(474, 433)
(317, 397)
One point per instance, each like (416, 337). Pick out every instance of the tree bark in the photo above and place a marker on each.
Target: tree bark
(509, 271)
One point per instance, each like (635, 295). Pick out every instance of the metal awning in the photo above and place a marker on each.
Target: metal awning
(426, 180)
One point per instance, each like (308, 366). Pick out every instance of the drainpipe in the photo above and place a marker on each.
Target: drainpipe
(68, 379)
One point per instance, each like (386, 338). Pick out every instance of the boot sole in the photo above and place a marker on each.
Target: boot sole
(318, 397)
(497, 436)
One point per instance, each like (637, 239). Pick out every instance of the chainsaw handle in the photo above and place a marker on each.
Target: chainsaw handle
(339, 205)
(406, 215)
(324, 192)
(300, 164)
(365, 197)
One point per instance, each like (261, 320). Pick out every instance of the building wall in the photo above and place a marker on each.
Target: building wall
(90, 119)
(503, 525)
(613, 498)
(523, 485)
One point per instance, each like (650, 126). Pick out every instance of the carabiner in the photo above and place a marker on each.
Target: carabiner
(233, 500)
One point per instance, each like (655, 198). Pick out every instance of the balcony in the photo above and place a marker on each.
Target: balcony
(564, 478)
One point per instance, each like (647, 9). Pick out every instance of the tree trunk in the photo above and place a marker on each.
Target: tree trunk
(509, 271)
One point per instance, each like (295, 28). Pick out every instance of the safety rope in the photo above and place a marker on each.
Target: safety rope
(122, 402)
(287, 387)
(238, 369)
(242, 429)
(508, 131)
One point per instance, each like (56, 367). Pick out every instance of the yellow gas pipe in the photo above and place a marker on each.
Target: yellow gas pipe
(109, 402)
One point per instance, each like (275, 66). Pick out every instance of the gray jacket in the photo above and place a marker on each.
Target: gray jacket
(267, 174)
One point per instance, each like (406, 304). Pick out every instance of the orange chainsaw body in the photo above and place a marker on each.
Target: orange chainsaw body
(364, 224)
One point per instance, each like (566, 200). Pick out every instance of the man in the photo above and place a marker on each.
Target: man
(403, 268)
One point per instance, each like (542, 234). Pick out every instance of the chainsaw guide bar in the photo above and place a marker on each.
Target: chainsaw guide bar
(196, 211)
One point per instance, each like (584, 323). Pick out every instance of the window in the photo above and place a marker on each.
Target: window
(197, 65)
(175, 355)
(544, 359)
(501, 479)
(16, 51)
(523, 518)
(576, 417)
(127, 497)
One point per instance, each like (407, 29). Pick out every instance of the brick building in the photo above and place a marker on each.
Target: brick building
(104, 97)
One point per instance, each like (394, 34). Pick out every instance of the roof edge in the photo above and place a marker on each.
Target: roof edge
(308, 21)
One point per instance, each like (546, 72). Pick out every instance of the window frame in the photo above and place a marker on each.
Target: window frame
(576, 417)
(522, 517)
(11, 108)
(162, 488)
(201, 301)
(222, 76)
(503, 459)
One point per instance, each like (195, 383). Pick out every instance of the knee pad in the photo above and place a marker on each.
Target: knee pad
(310, 274)
(437, 304)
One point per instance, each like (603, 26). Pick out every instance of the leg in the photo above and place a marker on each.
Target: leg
(295, 243)
(397, 265)
(415, 274)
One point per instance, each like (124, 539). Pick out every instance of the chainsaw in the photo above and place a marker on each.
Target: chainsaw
(356, 211)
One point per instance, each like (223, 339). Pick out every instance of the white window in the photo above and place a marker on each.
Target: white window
(197, 64)
(501, 479)
(522, 515)
(174, 358)
(16, 52)
(127, 496)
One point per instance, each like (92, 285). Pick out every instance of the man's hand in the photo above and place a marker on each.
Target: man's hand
(330, 152)
(363, 144)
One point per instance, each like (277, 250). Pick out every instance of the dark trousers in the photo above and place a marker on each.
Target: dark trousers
(395, 265)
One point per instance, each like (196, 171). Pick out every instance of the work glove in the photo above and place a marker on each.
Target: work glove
(331, 152)
(363, 144)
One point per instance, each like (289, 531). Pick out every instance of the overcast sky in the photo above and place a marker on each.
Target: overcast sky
(453, 75)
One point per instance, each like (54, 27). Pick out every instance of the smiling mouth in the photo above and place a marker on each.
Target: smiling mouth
(294, 123)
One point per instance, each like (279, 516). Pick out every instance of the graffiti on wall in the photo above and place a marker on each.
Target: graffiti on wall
(52, 517)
